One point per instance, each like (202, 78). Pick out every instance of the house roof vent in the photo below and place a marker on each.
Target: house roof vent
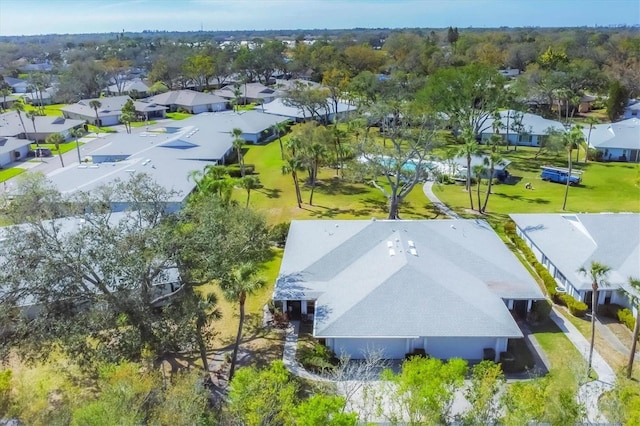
(392, 252)
(413, 251)
(411, 243)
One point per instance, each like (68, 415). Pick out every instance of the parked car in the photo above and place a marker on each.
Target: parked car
(40, 152)
(560, 175)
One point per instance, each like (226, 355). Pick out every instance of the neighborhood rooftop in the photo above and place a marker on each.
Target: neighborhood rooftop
(404, 278)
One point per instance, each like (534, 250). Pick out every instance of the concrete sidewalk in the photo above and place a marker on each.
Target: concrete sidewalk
(589, 393)
(427, 188)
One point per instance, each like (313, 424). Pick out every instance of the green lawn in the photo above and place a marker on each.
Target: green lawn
(53, 110)
(142, 123)
(64, 147)
(334, 198)
(613, 187)
(6, 174)
(178, 115)
(95, 129)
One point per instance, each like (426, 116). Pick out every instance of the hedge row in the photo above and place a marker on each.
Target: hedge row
(577, 308)
(626, 317)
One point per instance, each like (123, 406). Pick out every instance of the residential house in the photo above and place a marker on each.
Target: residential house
(632, 110)
(18, 85)
(616, 141)
(39, 129)
(327, 113)
(12, 149)
(126, 87)
(448, 287)
(110, 110)
(45, 97)
(169, 154)
(249, 93)
(564, 243)
(189, 101)
(7, 101)
(521, 128)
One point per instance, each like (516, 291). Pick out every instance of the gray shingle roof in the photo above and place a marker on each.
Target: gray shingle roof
(532, 124)
(187, 98)
(10, 124)
(11, 144)
(278, 107)
(572, 241)
(623, 134)
(249, 90)
(452, 286)
(110, 106)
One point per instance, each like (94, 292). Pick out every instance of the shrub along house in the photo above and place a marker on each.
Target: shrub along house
(450, 288)
(564, 243)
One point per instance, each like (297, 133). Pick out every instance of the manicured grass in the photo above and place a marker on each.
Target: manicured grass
(53, 110)
(6, 174)
(142, 123)
(178, 115)
(64, 147)
(334, 197)
(247, 107)
(613, 187)
(95, 129)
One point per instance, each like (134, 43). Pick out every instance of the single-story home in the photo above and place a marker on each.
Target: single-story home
(37, 130)
(18, 85)
(564, 243)
(45, 97)
(632, 110)
(257, 127)
(450, 288)
(12, 149)
(189, 100)
(7, 101)
(280, 107)
(616, 141)
(458, 167)
(169, 154)
(521, 128)
(249, 92)
(110, 110)
(126, 87)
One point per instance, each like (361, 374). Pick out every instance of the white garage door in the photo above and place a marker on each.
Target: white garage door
(357, 348)
(459, 347)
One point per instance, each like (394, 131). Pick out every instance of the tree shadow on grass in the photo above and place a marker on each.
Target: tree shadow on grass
(270, 192)
(337, 185)
(521, 198)
(331, 212)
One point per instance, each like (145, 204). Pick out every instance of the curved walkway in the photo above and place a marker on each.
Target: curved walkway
(428, 191)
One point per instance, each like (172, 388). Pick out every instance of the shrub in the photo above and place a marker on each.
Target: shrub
(278, 233)
(577, 308)
(235, 171)
(626, 317)
(318, 359)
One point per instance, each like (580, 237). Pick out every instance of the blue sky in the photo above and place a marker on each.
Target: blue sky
(25, 17)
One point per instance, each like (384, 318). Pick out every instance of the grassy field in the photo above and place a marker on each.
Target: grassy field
(142, 123)
(6, 174)
(334, 198)
(178, 115)
(613, 187)
(64, 147)
(53, 110)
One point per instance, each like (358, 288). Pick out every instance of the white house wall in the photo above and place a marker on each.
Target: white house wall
(392, 348)
(463, 347)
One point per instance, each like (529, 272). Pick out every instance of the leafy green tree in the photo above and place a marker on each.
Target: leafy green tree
(4, 92)
(483, 393)
(524, 402)
(312, 102)
(280, 129)
(412, 137)
(262, 397)
(452, 37)
(293, 165)
(200, 69)
(126, 118)
(494, 158)
(617, 100)
(95, 104)
(56, 139)
(425, 388)
(597, 272)
(184, 402)
(553, 59)
(469, 95)
(323, 410)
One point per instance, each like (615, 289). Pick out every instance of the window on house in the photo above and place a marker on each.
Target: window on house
(525, 138)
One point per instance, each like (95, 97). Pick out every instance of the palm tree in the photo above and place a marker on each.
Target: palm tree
(468, 150)
(293, 165)
(56, 139)
(249, 183)
(478, 170)
(494, 158)
(317, 152)
(570, 140)
(4, 92)
(236, 286)
(597, 272)
(31, 115)
(591, 121)
(238, 142)
(126, 118)
(95, 104)
(635, 285)
(77, 133)
(280, 129)
(18, 106)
